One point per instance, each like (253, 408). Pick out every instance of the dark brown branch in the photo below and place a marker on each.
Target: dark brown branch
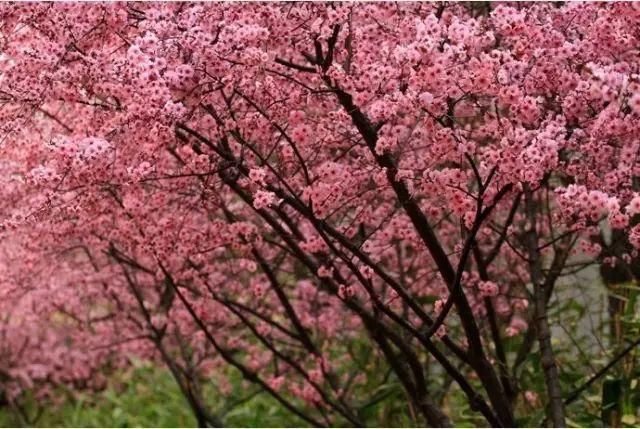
(295, 66)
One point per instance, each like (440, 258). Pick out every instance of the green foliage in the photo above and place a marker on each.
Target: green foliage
(144, 396)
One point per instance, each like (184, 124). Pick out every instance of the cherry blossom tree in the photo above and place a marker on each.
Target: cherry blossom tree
(262, 186)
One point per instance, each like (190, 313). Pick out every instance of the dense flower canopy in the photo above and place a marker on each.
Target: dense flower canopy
(258, 184)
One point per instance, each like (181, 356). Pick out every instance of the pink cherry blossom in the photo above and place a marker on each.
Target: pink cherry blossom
(259, 186)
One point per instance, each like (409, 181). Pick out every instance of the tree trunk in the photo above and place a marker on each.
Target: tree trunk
(555, 412)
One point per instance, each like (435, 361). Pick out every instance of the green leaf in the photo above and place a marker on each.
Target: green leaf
(612, 400)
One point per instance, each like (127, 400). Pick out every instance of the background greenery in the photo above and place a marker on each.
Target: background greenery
(146, 395)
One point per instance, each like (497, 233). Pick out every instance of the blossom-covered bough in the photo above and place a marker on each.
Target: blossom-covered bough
(264, 186)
